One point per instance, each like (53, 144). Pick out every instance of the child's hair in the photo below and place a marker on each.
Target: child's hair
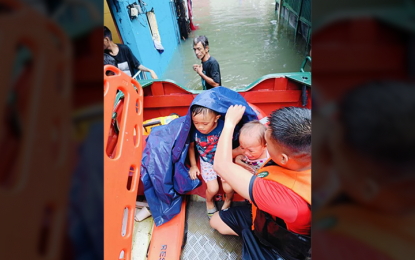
(291, 127)
(255, 129)
(107, 33)
(196, 109)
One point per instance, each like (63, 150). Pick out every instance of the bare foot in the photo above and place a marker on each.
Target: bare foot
(226, 204)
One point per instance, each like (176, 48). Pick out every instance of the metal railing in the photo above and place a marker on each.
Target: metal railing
(140, 75)
(308, 58)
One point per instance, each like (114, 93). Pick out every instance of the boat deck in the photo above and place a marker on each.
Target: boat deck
(202, 242)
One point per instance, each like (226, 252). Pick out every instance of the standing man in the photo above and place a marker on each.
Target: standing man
(209, 69)
(125, 59)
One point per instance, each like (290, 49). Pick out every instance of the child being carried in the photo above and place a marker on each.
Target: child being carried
(252, 148)
(251, 154)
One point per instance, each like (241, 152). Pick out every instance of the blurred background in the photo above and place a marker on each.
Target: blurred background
(363, 129)
(51, 107)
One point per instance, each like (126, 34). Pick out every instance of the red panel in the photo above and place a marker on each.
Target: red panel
(275, 96)
(264, 85)
(291, 85)
(157, 88)
(147, 91)
(168, 101)
(281, 83)
(262, 96)
(170, 88)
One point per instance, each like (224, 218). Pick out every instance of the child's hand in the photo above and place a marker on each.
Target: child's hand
(234, 115)
(194, 172)
(240, 160)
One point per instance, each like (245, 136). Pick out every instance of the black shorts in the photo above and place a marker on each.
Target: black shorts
(239, 219)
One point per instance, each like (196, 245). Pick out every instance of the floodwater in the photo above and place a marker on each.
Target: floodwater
(244, 37)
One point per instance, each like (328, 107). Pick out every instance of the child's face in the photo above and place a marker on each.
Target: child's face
(251, 147)
(205, 122)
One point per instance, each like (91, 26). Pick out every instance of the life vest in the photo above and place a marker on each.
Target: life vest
(273, 232)
(386, 235)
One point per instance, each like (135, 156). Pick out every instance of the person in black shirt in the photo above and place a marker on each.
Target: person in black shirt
(125, 59)
(109, 60)
(209, 69)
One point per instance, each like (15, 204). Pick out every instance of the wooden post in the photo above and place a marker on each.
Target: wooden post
(298, 18)
(279, 10)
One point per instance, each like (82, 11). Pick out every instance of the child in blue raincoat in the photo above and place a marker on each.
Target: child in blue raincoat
(208, 126)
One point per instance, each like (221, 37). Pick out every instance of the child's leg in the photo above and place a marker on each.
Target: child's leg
(210, 177)
(211, 191)
(229, 194)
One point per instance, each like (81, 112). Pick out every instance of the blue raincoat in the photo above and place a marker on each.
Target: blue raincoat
(164, 171)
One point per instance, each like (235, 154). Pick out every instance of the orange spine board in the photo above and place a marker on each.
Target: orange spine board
(118, 195)
(167, 239)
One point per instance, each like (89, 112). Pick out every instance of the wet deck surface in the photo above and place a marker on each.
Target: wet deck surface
(205, 243)
(141, 238)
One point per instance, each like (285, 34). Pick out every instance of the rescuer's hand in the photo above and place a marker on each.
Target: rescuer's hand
(234, 115)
